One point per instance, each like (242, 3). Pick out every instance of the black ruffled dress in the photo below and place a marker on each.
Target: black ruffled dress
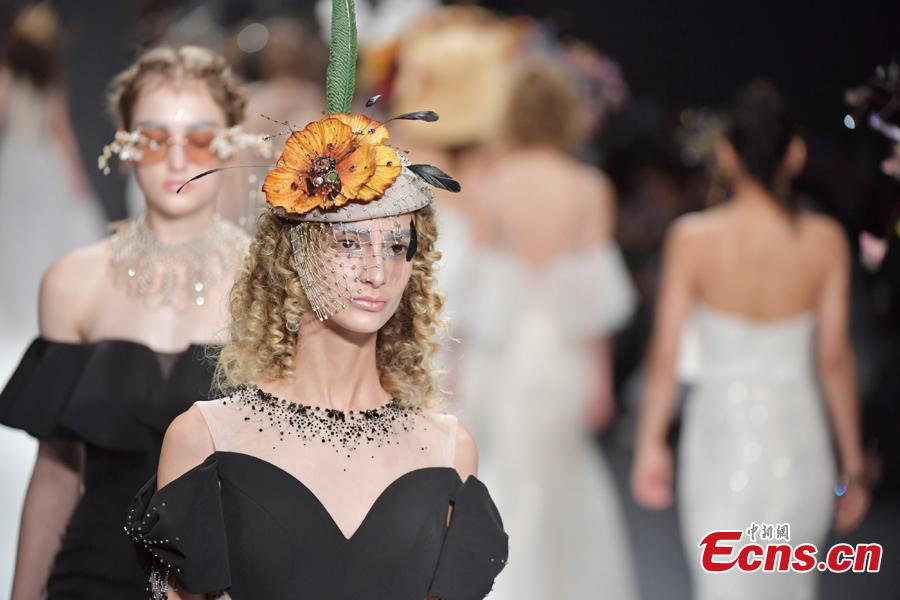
(253, 520)
(117, 397)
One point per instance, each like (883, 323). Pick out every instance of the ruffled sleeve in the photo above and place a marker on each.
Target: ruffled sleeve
(589, 291)
(179, 532)
(596, 296)
(109, 393)
(475, 547)
(38, 391)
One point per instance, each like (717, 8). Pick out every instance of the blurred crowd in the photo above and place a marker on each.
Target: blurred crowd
(552, 251)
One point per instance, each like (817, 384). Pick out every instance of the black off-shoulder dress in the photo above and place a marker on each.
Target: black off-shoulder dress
(117, 397)
(279, 513)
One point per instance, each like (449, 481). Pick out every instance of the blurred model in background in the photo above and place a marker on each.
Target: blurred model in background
(768, 283)
(546, 287)
(456, 61)
(122, 328)
(46, 206)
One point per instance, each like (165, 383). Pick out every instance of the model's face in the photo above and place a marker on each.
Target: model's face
(367, 262)
(181, 121)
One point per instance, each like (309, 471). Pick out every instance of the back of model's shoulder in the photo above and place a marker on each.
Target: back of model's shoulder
(821, 228)
(693, 227)
(819, 236)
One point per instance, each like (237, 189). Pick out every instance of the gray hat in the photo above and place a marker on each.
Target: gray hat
(407, 194)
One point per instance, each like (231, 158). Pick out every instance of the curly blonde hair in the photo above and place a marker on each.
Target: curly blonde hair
(268, 303)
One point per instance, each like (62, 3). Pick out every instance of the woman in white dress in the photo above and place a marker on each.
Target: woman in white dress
(454, 61)
(769, 285)
(547, 286)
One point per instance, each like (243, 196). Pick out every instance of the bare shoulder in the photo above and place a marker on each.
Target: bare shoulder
(592, 184)
(189, 434)
(78, 264)
(693, 228)
(601, 187)
(187, 443)
(824, 232)
(599, 182)
(688, 239)
(66, 289)
(466, 459)
(594, 196)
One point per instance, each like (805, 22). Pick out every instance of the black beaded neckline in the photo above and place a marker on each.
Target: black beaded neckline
(341, 429)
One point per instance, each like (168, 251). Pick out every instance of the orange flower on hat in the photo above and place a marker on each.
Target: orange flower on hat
(330, 162)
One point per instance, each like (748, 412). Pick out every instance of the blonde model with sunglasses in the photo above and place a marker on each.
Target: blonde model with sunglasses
(123, 325)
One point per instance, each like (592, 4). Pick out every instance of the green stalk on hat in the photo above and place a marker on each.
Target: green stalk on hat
(341, 78)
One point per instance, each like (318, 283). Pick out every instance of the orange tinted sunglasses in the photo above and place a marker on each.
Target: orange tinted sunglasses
(197, 145)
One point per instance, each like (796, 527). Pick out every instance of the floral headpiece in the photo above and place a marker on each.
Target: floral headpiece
(338, 171)
(339, 168)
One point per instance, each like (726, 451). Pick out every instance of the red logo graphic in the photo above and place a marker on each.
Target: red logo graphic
(720, 553)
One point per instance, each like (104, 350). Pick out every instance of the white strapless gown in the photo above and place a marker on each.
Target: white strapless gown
(527, 369)
(755, 447)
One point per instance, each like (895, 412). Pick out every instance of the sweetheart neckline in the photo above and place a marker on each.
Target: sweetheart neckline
(379, 499)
